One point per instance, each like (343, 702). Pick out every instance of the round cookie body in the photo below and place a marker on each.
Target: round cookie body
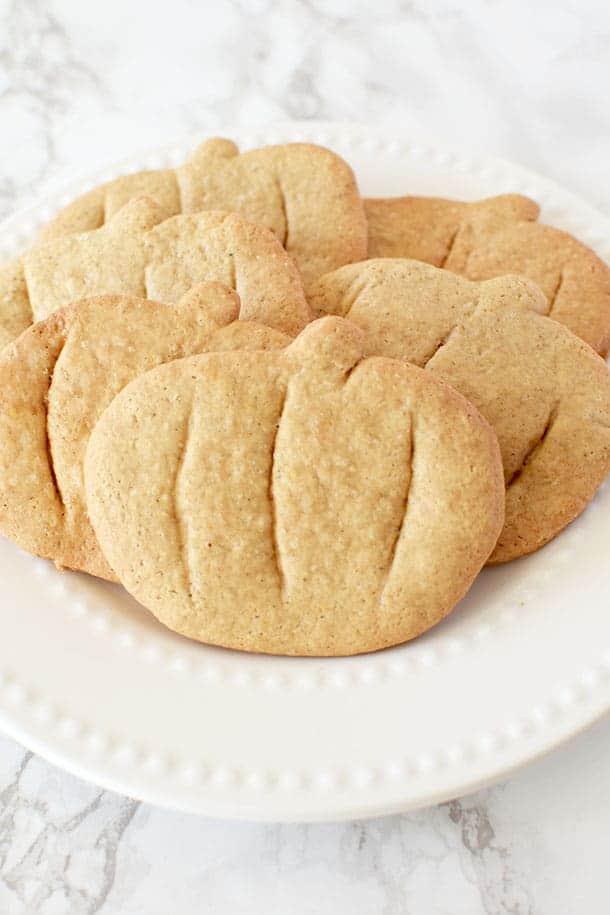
(305, 194)
(545, 392)
(493, 237)
(57, 379)
(140, 252)
(306, 502)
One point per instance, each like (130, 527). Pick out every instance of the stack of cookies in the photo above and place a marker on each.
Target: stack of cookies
(290, 420)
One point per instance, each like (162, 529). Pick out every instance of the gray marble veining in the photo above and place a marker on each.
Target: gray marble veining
(536, 845)
(84, 83)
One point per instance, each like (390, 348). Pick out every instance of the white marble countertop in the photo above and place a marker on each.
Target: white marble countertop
(85, 83)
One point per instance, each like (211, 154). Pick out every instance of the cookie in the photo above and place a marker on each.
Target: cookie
(545, 392)
(494, 237)
(59, 376)
(141, 253)
(306, 194)
(424, 228)
(306, 502)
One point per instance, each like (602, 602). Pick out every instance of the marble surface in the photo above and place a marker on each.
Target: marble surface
(85, 83)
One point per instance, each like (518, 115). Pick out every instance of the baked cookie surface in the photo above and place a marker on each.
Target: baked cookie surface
(57, 379)
(497, 236)
(306, 502)
(304, 193)
(544, 391)
(139, 252)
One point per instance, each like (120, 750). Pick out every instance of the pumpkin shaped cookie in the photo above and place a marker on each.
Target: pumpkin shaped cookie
(308, 501)
(141, 253)
(306, 194)
(493, 237)
(544, 391)
(59, 376)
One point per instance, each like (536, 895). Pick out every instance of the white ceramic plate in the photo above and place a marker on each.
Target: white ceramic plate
(91, 681)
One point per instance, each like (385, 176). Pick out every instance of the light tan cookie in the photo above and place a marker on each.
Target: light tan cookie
(140, 253)
(494, 237)
(424, 228)
(304, 502)
(545, 392)
(306, 194)
(59, 376)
